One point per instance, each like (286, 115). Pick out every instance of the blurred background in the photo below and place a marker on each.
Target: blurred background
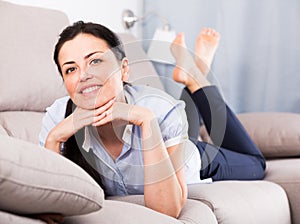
(257, 64)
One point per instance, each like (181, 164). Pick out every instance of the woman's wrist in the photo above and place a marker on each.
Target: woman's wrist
(52, 144)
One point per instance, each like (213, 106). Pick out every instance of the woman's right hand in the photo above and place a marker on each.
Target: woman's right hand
(74, 122)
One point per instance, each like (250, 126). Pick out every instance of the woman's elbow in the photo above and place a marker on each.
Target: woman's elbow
(175, 210)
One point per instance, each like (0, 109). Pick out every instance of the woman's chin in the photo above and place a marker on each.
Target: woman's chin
(86, 104)
(89, 104)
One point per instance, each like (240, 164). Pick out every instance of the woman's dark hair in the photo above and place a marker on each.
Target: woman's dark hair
(94, 29)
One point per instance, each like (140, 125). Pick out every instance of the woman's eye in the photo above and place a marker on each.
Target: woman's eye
(69, 70)
(95, 61)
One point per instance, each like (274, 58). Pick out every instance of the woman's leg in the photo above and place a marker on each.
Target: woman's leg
(234, 155)
(223, 164)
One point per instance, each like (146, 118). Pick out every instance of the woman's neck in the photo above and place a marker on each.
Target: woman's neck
(111, 139)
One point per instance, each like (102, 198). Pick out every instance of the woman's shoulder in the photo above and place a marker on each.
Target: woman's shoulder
(137, 94)
(155, 99)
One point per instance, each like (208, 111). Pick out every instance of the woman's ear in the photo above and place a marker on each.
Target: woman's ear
(125, 69)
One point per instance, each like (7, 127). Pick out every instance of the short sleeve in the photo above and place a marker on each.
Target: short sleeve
(170, 112)
(174, 126)
(54, 114)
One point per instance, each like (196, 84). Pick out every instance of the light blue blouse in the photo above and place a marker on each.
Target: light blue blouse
(125, 174)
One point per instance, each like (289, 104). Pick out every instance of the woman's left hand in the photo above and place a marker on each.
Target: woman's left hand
(123, 112)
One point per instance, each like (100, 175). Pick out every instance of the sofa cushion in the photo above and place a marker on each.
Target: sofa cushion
(122, 212)
(246, 202)
(276, 134)
(9, 218)
(36, 180)
(25, 125)
(285, 172)
(2, 130)
(189, 213)
(27, 70)
(142, 70)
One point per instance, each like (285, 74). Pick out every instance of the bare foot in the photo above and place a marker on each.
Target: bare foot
(186, 71)
(206, 45)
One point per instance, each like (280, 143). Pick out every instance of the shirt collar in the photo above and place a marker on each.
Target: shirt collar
(87, 143)
(91, 132)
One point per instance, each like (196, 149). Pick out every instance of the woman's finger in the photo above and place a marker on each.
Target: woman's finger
(105, 107)
(104, 118)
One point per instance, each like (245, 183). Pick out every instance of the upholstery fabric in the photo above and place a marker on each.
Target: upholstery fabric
(193, 212)
(277, 134)
(27, 70)
(246, 202)
(285, 172)
(9, 218)
(2, 130)
(35, 180)
(24, 125)
(141, 68)
(121, 212)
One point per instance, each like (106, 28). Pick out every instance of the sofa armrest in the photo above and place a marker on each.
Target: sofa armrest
(244, 202)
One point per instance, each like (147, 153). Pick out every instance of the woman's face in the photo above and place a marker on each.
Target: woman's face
(91, 72)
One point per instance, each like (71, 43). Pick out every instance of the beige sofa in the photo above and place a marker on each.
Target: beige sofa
(34, 180)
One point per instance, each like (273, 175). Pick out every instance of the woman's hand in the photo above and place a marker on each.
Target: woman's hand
(73, 123)
(123, 112)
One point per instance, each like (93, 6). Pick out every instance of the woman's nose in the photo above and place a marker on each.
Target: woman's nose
(85, 76)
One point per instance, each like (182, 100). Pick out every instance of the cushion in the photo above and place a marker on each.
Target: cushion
(2, 130)
(189, 213)
(37, 180)
(276, 134)
(27, 70)
(25, 125)
(9, 218)
(142, 70)
(285, 172)
(245, 202)
(115, 212)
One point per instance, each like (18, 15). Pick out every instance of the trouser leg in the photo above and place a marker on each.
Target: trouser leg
(223, 164)
(234, 146)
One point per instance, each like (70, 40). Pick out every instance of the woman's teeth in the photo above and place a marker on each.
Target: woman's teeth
(90, 89)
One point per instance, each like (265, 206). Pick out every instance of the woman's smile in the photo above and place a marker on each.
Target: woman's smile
(90, 89)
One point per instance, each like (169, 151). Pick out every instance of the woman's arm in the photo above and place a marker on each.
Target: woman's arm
(165, 189)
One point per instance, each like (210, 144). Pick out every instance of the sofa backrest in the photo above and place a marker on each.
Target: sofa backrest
(27, 70)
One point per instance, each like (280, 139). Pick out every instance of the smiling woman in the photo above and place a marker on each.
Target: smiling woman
(127, 138)
(132, 139)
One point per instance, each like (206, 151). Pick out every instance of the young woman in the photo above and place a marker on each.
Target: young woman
(132, 139)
